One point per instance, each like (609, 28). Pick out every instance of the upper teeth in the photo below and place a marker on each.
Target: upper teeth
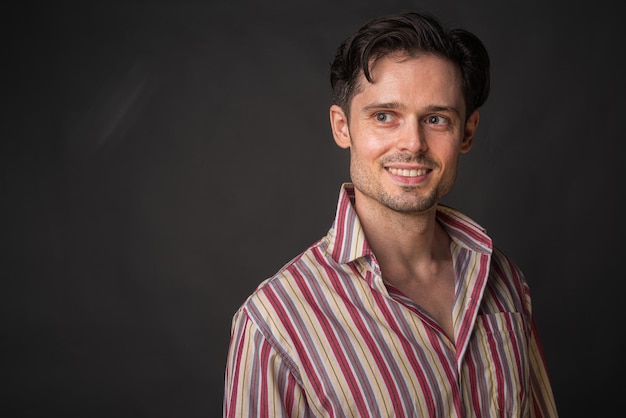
(407, 172)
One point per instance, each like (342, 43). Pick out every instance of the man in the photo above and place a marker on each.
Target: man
(405, 308)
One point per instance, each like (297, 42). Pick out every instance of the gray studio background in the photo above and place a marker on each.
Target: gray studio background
(160, 159)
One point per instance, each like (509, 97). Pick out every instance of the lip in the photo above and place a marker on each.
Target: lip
(408, 174)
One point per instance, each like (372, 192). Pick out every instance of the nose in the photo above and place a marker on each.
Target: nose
(412, 139)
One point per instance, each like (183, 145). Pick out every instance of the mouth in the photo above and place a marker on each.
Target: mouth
(408, 172)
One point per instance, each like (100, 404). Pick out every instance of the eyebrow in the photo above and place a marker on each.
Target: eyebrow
(437, 108)
(387, 105)
(400, 106)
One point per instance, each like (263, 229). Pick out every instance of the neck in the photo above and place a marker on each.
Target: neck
(405, 244)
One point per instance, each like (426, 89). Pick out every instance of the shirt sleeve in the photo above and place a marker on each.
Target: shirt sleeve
(258, 381)
(543, 404)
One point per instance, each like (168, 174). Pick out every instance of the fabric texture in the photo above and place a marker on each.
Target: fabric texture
(327, 337)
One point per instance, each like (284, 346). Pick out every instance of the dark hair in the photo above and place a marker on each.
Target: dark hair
(409, 33)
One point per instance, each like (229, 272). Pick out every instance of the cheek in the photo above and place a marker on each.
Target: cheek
(370, 146)
(448, 150)
(451, 163)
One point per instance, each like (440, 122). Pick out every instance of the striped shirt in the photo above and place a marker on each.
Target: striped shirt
(327, 337)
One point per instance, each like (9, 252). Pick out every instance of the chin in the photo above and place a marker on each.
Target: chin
(405, 204)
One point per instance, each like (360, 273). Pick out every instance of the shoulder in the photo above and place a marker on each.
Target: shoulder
(294, 301)
(290, 289)
(505, 268)
(507, 282)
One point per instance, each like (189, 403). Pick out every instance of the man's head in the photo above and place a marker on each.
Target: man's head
(410, 34)
(406, 96)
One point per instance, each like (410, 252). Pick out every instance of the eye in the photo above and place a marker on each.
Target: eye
(436, 120)
(383, 117)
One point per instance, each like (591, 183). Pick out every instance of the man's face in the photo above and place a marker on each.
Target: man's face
(405, 132)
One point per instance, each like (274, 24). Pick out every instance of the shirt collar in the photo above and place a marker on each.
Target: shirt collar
(463, 230)
(347, 240)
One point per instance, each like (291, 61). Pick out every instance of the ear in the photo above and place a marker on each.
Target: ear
(339, 126)
(470, 130)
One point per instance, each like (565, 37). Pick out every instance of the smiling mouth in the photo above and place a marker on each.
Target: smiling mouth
(405, 172)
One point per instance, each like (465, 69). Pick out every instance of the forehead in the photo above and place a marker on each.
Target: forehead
(414, 80)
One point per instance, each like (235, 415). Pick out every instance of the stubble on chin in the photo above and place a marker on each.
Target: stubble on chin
(404, 199)
(409, 202)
